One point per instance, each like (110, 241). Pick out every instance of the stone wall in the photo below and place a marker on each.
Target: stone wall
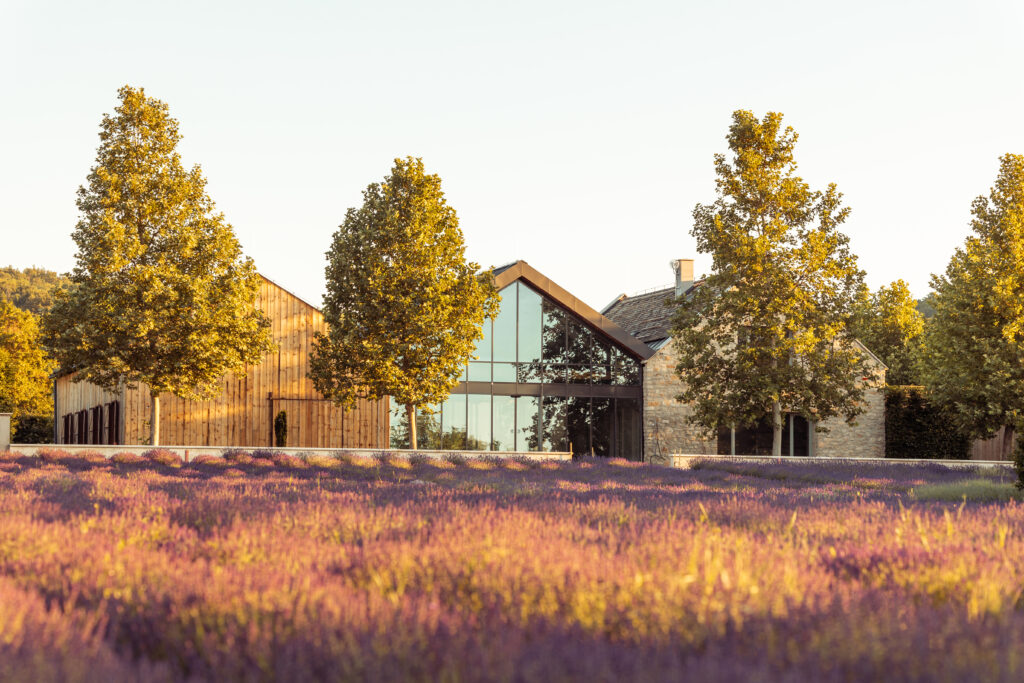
(666, 429)
(866, 439)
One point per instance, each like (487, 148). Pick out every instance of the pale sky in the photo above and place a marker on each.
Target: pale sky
(575, 135)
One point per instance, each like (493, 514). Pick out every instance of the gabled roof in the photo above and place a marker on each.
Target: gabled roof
(646, 316)
(521, 270)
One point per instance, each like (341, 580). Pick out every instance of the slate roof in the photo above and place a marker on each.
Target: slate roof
(646, 316)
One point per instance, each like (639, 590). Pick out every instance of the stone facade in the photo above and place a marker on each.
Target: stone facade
(668, 432)
(865, 438)
(666, 429)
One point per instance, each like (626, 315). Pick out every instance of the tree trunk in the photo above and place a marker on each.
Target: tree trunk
(410, 413)
(776, 429)
(1006, 452)
(154, 422)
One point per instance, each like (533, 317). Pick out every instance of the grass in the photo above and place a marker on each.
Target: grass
(392, 569)
(974, 490)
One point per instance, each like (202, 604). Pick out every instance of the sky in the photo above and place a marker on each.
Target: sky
(578, 136)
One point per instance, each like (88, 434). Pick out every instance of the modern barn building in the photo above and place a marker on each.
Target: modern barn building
(244, 411)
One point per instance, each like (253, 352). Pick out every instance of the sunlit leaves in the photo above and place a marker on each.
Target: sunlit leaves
(975, 341)
(768, 327)
(161, 293)
(403, 305)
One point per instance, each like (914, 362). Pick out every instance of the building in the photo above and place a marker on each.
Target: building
(648, 317)
(550, 374)
(243, 413)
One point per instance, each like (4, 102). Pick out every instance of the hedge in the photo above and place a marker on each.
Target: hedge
(917, 428)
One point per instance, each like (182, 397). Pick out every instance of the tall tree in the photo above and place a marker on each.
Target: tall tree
(24, 367)
(161, 293)
(889, 323)
(767, 330)
(975, 341)
(403, 306)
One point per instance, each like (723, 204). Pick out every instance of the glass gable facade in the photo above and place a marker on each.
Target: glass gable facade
(541, 379)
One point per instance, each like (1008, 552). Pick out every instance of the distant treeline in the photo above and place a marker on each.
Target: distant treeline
(28, 289)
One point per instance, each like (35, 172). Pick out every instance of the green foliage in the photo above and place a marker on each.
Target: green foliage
(281, 429)
(974, 351)
(889, 323)
(767, 329)
(29, 289)
(161, 294)
(25, 369)
(916, 427)
(403, 306)
(34, 429)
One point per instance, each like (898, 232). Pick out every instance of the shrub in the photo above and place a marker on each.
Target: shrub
(917, 428)
(33, 429)
(210, 461)
(238, 457)
(163, 456)
(288, 461)
(52, 455)
(127, 458)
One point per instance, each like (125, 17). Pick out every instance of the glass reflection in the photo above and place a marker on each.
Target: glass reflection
(479, 372)
(504, 338)
(554, 332)
(553, 425)
(453, 423)
(530, 317)
(503, 434)
(504, 372)
(478, 432)
(628, 433)
(528, 423)
(601, 420)
(577, 422)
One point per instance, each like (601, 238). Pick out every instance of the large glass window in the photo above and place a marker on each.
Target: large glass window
(577, 424)
(503, 421)
(582, 391)
(453, 422)
(505, 326)
(628, 434)
(529, 332)
(478, 431)
(553, 424)
(601, 425)
(528, 423)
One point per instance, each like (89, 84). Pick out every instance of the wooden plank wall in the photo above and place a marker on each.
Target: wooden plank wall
(243, 413)
(992, 449)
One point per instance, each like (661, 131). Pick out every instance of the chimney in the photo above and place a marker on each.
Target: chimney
(683, 268)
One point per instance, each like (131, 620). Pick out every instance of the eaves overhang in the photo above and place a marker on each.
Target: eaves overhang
(521, 270)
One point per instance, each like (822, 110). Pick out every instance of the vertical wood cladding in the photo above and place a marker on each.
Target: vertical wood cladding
(242, 414)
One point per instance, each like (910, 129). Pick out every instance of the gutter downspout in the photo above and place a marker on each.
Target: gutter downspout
(56, 412)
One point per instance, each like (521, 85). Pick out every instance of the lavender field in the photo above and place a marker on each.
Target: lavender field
(354, 568)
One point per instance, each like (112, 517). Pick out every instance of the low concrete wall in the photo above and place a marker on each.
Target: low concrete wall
(683, 460)
(188, 453)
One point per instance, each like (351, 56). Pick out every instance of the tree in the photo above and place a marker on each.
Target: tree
(767, 330)
(29, 289)
(24, 367)
(889, 323)
(161, 293)
(403, 306)
(974, 344)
